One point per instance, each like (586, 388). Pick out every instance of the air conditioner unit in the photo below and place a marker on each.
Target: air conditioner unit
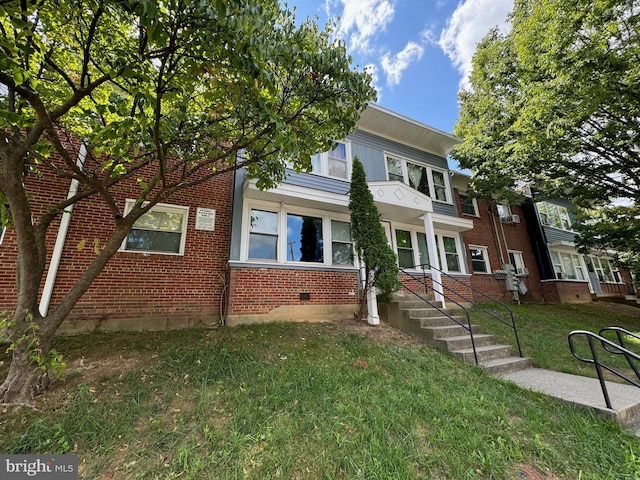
(561, 275)
(510, 219)
(523, 271)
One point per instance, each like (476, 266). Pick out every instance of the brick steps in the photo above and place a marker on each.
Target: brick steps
(442, 328)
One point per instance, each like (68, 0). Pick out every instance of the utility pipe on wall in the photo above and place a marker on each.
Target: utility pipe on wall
(56, 255)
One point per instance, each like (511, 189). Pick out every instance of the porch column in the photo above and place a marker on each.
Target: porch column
(433, 257)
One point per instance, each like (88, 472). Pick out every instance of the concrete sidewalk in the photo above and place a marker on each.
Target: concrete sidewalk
(585, 392)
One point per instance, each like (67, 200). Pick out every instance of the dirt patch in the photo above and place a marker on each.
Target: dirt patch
(379, 333)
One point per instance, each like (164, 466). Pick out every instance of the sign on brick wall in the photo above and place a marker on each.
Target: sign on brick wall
(205, 219)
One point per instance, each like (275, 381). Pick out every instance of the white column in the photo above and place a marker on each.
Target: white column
(372, 304)
(433, 257)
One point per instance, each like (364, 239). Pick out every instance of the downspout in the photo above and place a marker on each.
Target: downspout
(56, 256)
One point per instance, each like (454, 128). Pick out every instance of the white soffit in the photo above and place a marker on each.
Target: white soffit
(388, 124)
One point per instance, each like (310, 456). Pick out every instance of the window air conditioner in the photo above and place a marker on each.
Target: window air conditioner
(510, 219)
(561, 275)
(523, 271)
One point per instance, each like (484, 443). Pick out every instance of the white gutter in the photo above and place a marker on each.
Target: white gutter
(56, 256)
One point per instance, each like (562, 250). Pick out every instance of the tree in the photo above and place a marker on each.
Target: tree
(166, 95)
(612, 228)
(381, 265)
(555, 102)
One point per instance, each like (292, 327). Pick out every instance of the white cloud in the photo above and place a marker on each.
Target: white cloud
(469, 23)
(361, 20)
(393, 66)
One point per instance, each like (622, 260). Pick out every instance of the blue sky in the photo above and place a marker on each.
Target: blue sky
(419, 51)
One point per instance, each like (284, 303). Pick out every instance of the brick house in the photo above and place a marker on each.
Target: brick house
(162, 277)
(226, 250)
(499, 236)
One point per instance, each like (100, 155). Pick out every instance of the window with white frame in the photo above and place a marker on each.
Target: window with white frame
(553, 215)
(469, 205)
(341, 243)
(285, 236)
(567, 265)
(428, 180)
(412, 251)
(334, 163)
(263, 235)
(517, 260)
(504, 210)
(2, 230)
(404, 246)
(304, 239)
(479, 259)
(161, 230)
(605, 268)
(448, 249)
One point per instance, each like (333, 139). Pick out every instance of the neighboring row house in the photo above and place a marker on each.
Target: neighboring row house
(229, 251)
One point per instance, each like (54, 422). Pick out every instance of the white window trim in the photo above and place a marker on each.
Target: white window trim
(430, 170)
(520, 270)
(597, 264)
(163, 207)
(485, 257)
(574, 256)
(2, 231)
(546, 219)
(324, 162)
(443, 255)
(474, 202)
(281, 247)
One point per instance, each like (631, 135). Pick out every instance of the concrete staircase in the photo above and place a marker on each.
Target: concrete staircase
(417, 318)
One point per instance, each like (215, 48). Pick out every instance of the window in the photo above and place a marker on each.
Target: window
(469, 205)
(161, 230)
(604, 268)
(2, 230)
(567, 265)
(282, 235)
(428, 180)
(405, 249)
(504, 210)
(341, 244)
(334, 163)
(263, 235)
(554, 215)
(517, 260)
(451, 253)
(479, 259)
(304, 239)
(423, 250)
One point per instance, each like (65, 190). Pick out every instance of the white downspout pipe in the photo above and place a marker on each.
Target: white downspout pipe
(56, 255)
(373, 318)
(433, 257)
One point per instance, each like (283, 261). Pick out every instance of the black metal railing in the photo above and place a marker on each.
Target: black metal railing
(593, 340)
(423, 280)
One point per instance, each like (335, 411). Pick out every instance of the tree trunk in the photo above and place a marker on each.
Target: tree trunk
(25, 379)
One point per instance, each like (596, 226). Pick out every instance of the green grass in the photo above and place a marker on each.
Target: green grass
(302, 401)
(543, 331)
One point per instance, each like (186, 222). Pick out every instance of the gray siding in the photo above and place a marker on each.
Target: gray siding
(317, 182)
(556, 235)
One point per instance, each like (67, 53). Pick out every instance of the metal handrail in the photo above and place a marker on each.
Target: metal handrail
(597, 363)
(444, 312)
(511, 324)
(620, 333)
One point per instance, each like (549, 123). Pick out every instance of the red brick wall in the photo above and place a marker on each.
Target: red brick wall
(566, 291)
(257, 291)
(454, 289)
(132, 285)
(507, 237)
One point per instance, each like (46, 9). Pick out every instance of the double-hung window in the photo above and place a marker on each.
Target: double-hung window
(161, 230)
(428, 180)
(335, 163)
(517, 260)
(448, 247)
(405, 249)
(469, 205)
(604, 268)
(341, 243)
(263, 235)
(479, 259)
